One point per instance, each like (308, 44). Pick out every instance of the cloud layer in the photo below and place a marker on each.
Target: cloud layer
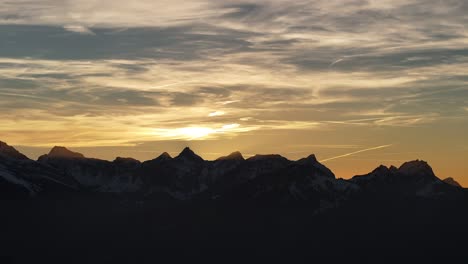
(126, 73)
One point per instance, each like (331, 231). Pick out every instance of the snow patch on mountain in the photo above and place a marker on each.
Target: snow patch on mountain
(9, 177)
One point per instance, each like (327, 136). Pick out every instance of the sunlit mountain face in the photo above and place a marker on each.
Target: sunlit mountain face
(359, 83)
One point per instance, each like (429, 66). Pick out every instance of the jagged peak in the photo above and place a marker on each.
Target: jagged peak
(381, 168)
(63, 152)
(187, 153)
(452, 182)
(309, 159)
(380, 171)
(233, 156)
(10, 152)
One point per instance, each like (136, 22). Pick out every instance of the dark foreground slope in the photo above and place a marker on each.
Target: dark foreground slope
(262, 209)
(118, 230)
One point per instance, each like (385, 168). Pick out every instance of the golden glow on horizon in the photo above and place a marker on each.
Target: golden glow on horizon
(189, 133)
(196, 132)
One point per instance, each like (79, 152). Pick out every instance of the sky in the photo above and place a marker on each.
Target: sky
(359, 83)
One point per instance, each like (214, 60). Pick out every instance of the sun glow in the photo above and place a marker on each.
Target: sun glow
(196, 132)
(216, 113)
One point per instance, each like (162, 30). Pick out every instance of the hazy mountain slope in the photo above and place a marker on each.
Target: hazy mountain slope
(20, 176)
(411, 179)
(94, 174)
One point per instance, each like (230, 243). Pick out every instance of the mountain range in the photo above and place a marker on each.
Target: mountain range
(187, 176)
(85, 210)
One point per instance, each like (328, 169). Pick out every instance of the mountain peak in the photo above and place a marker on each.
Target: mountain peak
(452, 182)
(380, 169)
(187, 153)
(416, 167)
(309, 159)
(62, 152)
(233, 156)
(10, 152)
(165, 155)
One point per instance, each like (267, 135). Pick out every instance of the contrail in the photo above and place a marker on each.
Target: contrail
(26, 96)
(335, 62)
(171, 84)
(356, 152)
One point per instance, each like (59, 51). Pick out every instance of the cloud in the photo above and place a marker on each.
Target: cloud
(216, 113)
(116, 13)
(185, 99)
(79, 29)
(230, 126)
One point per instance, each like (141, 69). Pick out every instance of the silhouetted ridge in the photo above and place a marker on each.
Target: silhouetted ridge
(310, 165)
(10, 152)
(62, 152)
(310, 159)
(188, 154)
(271, 178)
(416, 168)
(120, 160)
(267, 157)
(233, 156)
(452, 182)
(381, 169)
(412, 179)
(164, 156)
(379, 174)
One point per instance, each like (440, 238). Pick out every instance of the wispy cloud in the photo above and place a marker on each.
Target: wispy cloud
(216, 113)
(78, 29)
